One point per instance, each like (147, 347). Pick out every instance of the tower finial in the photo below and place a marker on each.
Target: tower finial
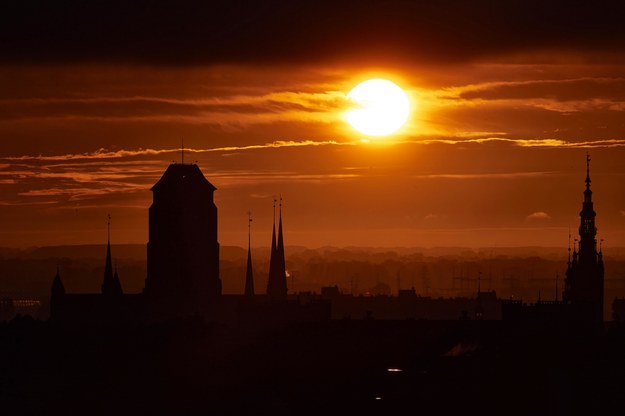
(108, 224)
(274, 210)
(587, 170)
(249, 227)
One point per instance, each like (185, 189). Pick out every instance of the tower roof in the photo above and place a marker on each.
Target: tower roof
(179, 173)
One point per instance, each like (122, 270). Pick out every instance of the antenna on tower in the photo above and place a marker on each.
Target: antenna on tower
(587, 170)
(108, 224)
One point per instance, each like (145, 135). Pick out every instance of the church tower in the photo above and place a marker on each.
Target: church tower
(583, 286)
(183, 250)
(276, 284)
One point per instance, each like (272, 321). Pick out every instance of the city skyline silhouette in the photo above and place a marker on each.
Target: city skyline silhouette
(294, 208)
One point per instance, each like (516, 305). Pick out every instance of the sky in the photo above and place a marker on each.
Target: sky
(96, 99)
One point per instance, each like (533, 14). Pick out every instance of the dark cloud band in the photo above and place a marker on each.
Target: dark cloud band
(283, 31)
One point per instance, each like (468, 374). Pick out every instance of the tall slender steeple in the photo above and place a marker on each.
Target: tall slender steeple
(276, 284)
(280, 250)
(111, 285)
(584, 280)
(249, 275)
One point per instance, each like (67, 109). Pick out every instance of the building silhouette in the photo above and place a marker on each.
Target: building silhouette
(582, 297)
(276, 283)
(584, 281)
(183, 269)
(183, 250)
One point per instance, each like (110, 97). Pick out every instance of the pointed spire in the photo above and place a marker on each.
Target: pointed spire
(273, 238)
(588, 171)
(280, 246)
(249, 275)
(601, 246)
(276, 285)
(108, 283)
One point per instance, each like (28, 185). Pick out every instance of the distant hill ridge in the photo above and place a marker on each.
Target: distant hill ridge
(234, 253)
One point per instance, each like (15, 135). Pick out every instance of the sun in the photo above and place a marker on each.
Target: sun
(380, 107)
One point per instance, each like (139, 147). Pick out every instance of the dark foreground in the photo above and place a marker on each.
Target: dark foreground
(339, 367)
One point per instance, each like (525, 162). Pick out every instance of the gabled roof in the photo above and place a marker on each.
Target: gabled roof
(178, 173)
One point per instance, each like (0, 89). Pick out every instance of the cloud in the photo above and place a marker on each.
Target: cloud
(549, 143)
(538, 216)
(123, 153)
(227, 108)
(576, 89)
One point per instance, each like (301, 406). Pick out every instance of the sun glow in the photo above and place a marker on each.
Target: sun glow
(380, 107)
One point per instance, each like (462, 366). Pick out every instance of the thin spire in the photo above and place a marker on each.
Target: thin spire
(249, 275)
(587, 170)
(276, 285)
(108, 281)
(273, 238)
(601, 245)
(280, 245)
(249, 228)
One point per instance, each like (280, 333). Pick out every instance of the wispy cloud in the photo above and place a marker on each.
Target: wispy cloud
(553, 143)
(122, 153)
(226, 109)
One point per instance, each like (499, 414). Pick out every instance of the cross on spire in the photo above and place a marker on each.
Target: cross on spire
(587, 170)
(249, 225)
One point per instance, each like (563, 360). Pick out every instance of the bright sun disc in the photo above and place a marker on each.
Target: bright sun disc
(381, 107)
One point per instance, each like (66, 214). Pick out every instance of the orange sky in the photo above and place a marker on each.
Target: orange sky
(493, 154)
